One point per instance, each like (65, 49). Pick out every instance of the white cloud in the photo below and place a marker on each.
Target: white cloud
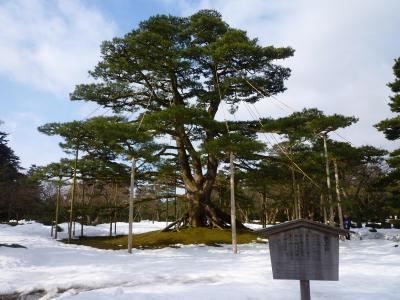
(50, 45)
(343, 59)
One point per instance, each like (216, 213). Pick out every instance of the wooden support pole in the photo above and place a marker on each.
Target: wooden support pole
(295, 210)
(299, 202)
(115, 208)
(305, 290)
(83, 204)
(71, 215)
(176, 206)
(166, 213)
(131, 199)
(339, 204)
(328, 183)
(233, 206)
(58, 205)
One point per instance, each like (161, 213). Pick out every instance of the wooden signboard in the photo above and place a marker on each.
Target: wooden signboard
(304, 250)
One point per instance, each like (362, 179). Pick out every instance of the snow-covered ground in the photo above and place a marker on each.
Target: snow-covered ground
(369, 269)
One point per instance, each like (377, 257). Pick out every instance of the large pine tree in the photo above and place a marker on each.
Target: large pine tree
(179, 71)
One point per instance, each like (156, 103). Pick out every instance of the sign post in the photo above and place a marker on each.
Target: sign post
(304, 250)
(305, 289)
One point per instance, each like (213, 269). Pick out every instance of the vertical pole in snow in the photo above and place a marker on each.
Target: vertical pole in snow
(340, 214)
(166, 214)
(328, 183)
(176, 204)
(83, 203)
(115, 208)
(58, 204)
(71, 216)
(131, 199)
(233, 206)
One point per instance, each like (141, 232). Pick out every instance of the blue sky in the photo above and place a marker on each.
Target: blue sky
(344, 54)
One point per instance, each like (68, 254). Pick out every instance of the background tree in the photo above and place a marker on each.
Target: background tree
(321, 125)
(294, 129)
(104, 140)
(391, 128)
(19, 192)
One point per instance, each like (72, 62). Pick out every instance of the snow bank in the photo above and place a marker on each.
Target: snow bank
(384, 234)
(369, 269)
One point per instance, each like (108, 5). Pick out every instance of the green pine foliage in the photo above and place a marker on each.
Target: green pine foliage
(19, 192)
(176, 72)
(391, 127)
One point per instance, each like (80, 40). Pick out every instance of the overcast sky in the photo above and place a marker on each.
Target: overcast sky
(343, 60)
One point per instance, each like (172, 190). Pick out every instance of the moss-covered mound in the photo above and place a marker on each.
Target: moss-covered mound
(158, 239)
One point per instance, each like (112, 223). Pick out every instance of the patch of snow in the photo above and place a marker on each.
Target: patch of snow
(369, 269)
(386, 234)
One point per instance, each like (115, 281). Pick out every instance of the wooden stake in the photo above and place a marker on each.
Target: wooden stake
(71, 215)
(338, 194)
(233, 206)
(115, 208)
(111, 223)
(176, 205)
(58, 204)
(83, 204)
(328, 183)
(298, 201)
(131, 199)
(166, 214)
(296, 210)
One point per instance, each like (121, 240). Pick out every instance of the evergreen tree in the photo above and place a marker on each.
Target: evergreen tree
(19, 193)
(9, 175)
(391, 127)
(178, 71)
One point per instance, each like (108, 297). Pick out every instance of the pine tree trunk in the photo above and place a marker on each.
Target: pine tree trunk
(176, 204)
(196, 210)
(323, 209)
(264, 209)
